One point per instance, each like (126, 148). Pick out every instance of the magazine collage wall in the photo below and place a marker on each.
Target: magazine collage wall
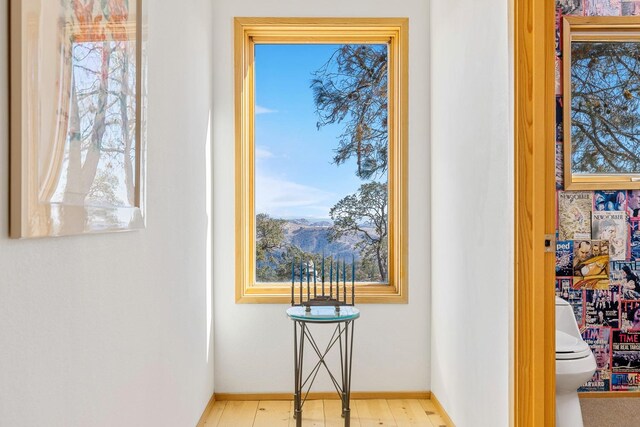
(598, 247)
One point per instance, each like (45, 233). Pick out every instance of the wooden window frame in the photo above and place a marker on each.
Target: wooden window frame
(249, 31)
(592, 29)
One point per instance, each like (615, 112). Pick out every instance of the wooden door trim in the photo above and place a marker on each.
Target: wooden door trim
(534, 306)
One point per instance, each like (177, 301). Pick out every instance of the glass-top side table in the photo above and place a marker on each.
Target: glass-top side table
(343, 319)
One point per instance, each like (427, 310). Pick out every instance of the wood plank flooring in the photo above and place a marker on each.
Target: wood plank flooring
(326, 413)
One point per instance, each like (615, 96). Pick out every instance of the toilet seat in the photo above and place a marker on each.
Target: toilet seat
(569, 347)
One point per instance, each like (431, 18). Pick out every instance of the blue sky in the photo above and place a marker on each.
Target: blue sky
(295, 176)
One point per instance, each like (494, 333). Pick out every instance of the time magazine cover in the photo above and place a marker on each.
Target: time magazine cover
(625, 351)
(625, 381)
(599, 340)
(602, 307)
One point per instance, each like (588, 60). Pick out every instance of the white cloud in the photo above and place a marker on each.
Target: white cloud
(282, 198)
(263, 153)
(263, 110)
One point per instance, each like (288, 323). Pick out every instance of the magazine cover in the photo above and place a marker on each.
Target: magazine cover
(559, 133)
(559, 166)
(591, 264)
(609, 200)
(625, 348)
(625, 381)
(570, 7)
(634, 244)
(599, 339)
(599, 382)
(574, 215)
(626, 275)
(630, 315)
(611, 226)
(564, 258)
(558, 71)
(602, 7)
(564, 290)
(558, 37)
(630, 8)
(633, 204)
(602, 307)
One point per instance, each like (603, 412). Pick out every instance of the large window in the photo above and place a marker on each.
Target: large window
(321, 128)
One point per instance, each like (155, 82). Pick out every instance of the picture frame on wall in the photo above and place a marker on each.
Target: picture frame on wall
(78, 83)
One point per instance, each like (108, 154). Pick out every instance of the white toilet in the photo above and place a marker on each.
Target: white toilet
(575, 366)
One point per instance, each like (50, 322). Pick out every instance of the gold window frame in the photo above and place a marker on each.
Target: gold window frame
(247, 33)
(593, 29)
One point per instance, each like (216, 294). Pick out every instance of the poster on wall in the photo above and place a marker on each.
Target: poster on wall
(565, 290)
(634, 244)
(609, 200)
(559, 166)
(559, 112)
(574, 214)
(570, 7)
(591, 264)
(558, 70)
(612, 226)
(77, 117)
(601, 381)
(630, 315)
(602, 7)
(626, 275)
(564, 258)
(599, 340)
(602, 307)
(625, 381)
(630, 7)
(558, 42)
(633, 204)
(625, 348)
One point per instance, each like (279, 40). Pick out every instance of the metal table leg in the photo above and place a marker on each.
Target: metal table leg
(298, 356)
(346, 363)
(343, 335)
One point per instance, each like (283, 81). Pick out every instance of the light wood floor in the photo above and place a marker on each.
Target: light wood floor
(325, 413)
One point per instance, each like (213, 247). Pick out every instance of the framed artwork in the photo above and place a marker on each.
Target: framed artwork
(77, 117)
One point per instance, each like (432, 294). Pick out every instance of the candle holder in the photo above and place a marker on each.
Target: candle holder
(322, 299)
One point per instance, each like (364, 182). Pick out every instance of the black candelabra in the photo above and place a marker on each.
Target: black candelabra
(319, 296)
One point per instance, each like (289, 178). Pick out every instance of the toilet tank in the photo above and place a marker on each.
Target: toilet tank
(565, 319)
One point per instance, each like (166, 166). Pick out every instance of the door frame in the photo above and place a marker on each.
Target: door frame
(534, 125)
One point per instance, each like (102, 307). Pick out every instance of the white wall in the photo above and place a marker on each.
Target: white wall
(111, 330)
(253, 343)
(472, 199)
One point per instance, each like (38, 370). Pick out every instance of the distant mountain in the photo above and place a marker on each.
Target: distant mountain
(310, 223)
(314, 237)
(322, 224)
